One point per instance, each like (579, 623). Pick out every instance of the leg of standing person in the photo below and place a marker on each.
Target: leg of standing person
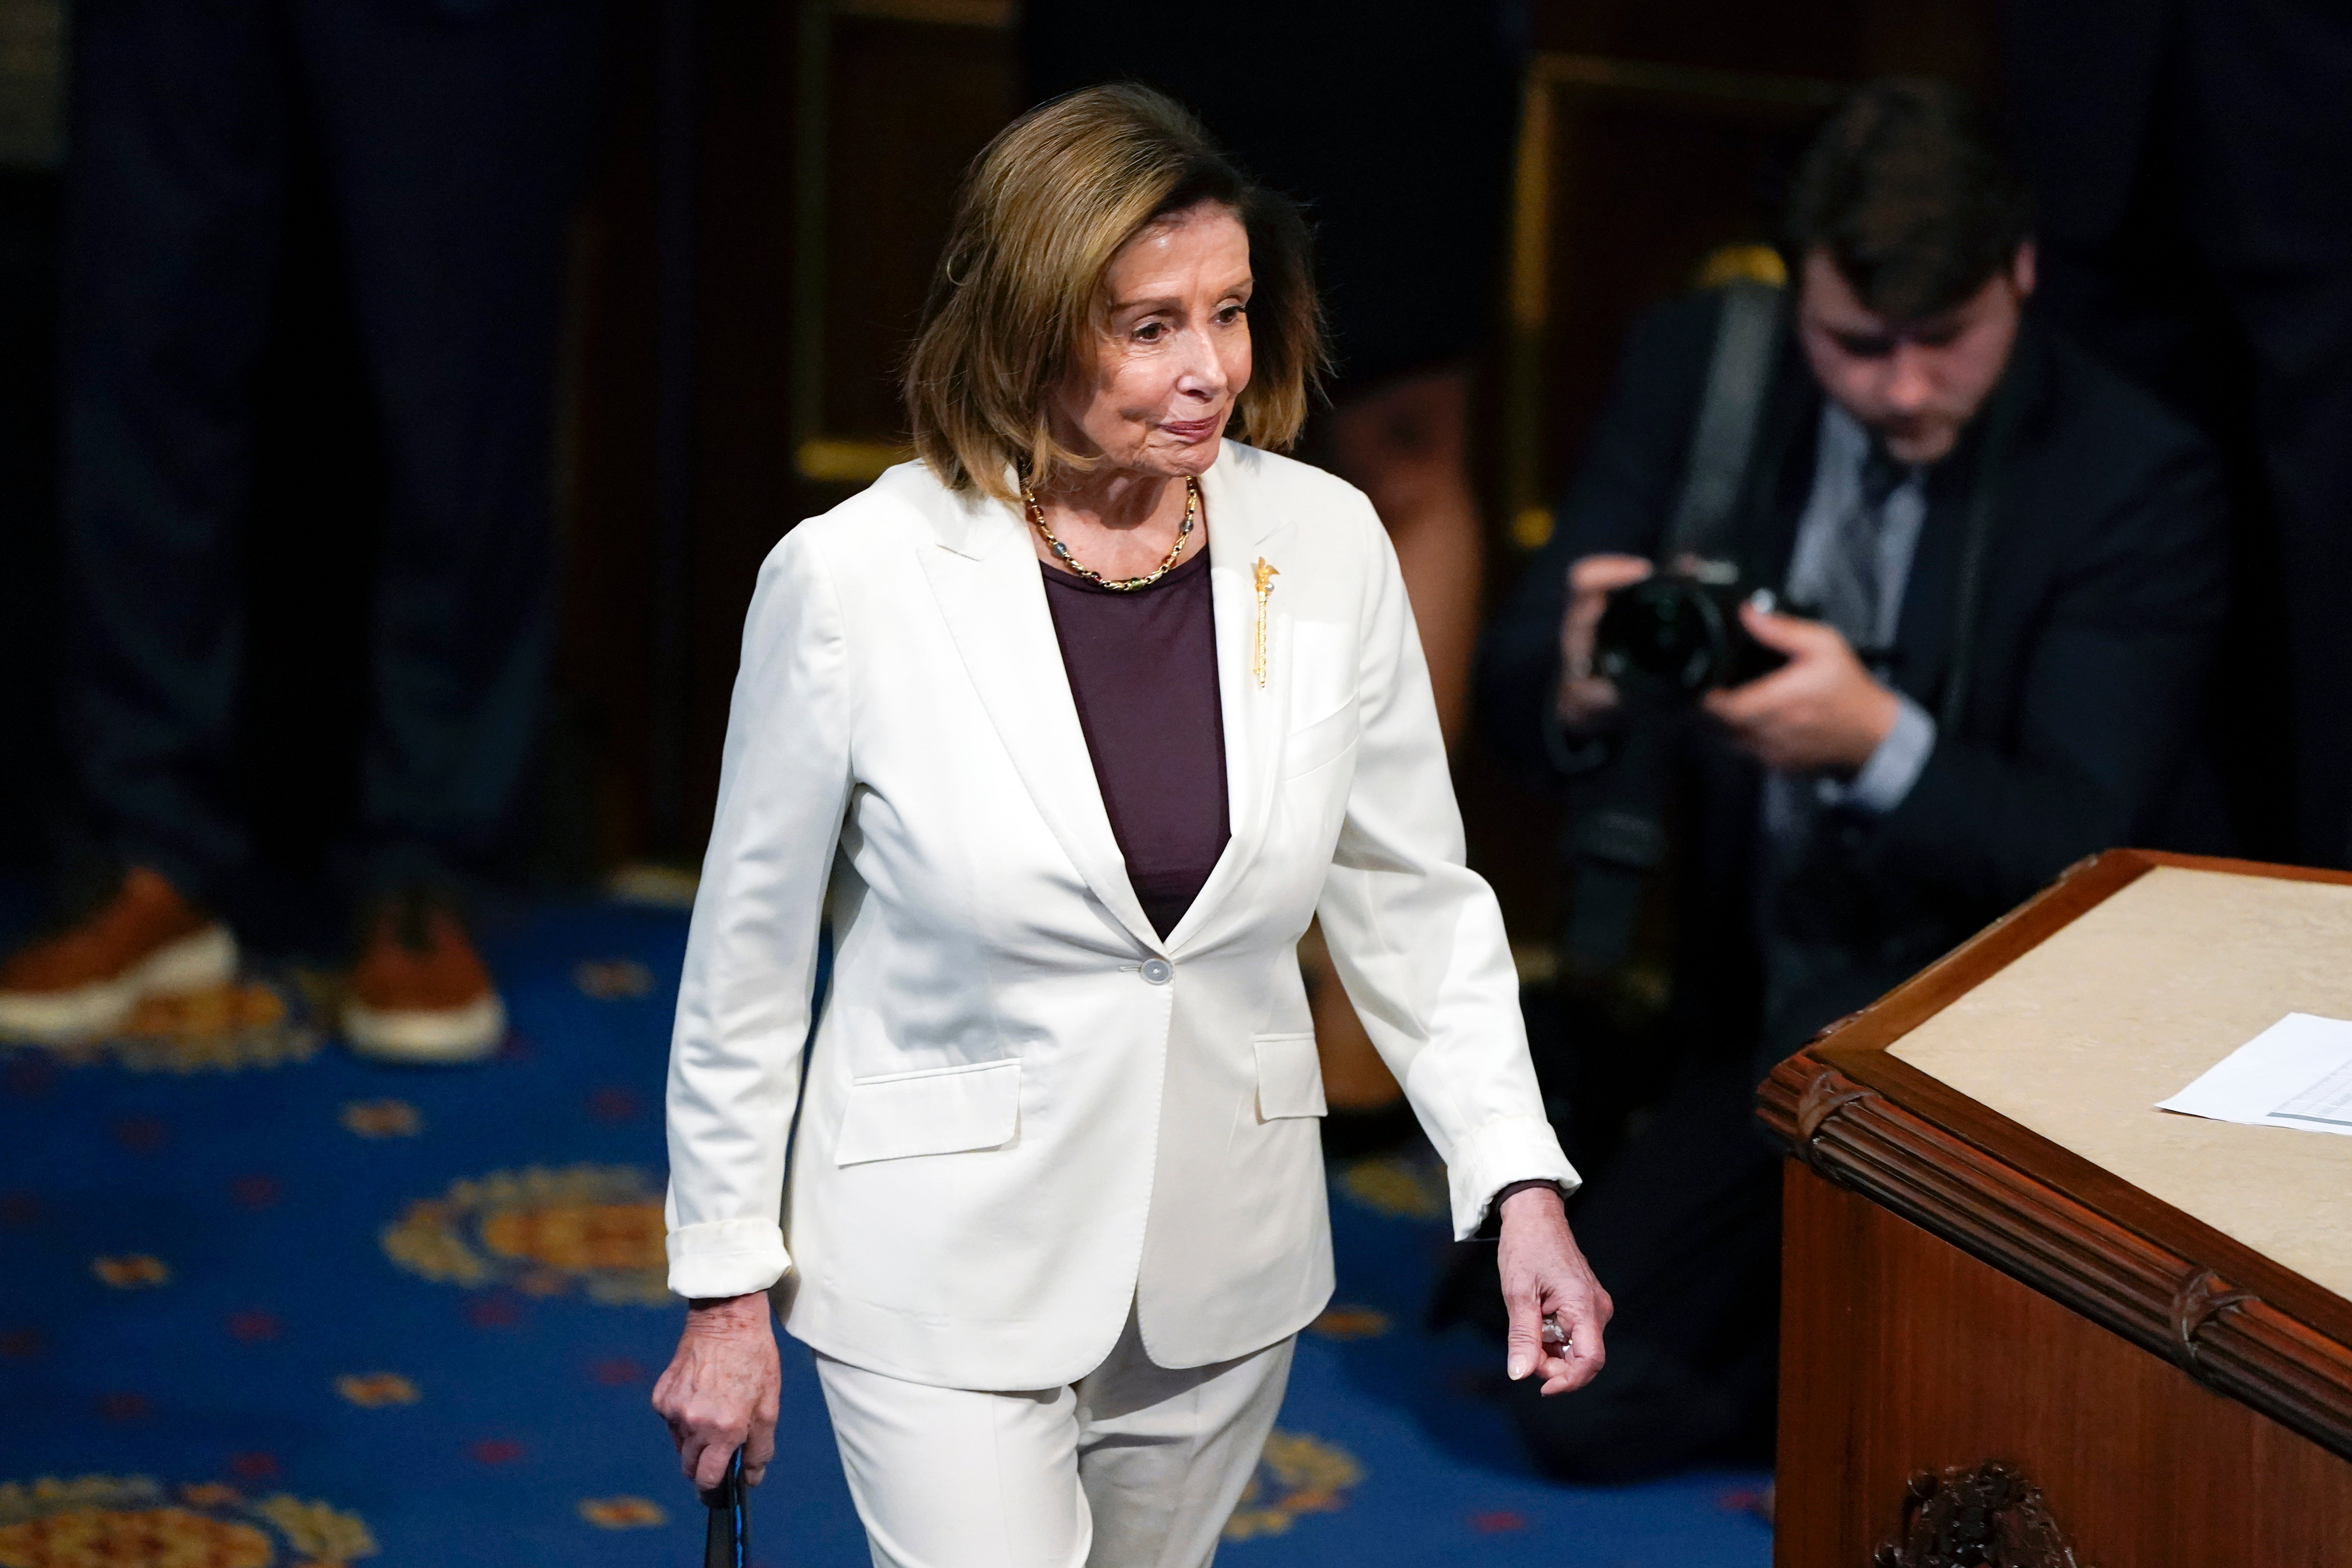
(1133, 1466)
(2299, 328)
(2255, 154)
(174, 225)
(2260, 359)
(454, 145)
(2189, 162)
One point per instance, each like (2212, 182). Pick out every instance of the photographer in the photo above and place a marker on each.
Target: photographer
(2010, 570)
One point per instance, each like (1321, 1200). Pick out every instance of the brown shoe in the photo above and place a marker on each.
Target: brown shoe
(146, 940)
(421, 993)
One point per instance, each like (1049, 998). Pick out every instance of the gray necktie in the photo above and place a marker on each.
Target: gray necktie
(1851, 588)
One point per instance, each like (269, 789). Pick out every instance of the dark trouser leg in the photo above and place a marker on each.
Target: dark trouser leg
(2299, 326)
(453, 148)
(2262, 359)
(1683, 1231)
(174, 217)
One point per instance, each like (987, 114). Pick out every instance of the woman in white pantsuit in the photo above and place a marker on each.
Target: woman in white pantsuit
(1068, 729)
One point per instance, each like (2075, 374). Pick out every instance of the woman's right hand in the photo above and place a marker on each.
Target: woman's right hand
(720, 1391)
(1584, 696)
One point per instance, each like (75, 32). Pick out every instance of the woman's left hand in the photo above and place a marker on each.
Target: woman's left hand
(1545, 1276)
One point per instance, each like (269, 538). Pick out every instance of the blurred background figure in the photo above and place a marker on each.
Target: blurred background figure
(446, 135)
(2193, 157)
(2009, 566)
(1393, 125)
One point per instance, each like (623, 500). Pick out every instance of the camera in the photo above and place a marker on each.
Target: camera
(1676, 635)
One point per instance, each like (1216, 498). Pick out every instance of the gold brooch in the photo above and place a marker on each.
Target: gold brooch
(1266, 576)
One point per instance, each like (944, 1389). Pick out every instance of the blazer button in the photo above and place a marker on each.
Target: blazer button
(1159, 971)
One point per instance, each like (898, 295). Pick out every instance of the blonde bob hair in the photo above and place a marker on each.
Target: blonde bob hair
(1017, 301)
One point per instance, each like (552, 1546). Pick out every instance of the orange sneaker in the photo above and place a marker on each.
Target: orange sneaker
(146, 940)
(421, 993)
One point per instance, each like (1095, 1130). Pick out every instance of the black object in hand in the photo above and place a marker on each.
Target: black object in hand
(727, 1544)
(1678, 636)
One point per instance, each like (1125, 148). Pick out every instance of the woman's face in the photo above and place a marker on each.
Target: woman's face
(1171, 348)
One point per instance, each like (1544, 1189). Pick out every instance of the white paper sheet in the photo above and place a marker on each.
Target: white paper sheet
(2297, 1073)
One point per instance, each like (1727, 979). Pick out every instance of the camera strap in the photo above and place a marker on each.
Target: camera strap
(1615, 847)
(1723, 437)
(1616, 843)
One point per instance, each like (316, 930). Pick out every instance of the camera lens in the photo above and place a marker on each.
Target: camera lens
(1663, 631)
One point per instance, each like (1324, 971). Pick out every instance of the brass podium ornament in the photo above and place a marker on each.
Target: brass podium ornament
(1264, 575)
(1989, 1517)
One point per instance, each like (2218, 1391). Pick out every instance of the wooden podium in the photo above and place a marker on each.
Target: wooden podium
(2027, 1319)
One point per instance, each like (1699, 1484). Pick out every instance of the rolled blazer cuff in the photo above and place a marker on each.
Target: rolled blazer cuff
(1507, 1150)
(726, 1257)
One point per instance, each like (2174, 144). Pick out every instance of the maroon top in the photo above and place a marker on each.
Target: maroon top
(1143, 670)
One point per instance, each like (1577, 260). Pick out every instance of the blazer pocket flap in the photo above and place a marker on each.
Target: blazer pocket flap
(1310, 746)
(945, 1111)
(1290, 1077)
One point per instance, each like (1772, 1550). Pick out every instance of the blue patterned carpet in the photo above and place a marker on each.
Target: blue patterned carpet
(262, 1306)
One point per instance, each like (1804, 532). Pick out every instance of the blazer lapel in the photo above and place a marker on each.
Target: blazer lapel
(1240, 535)
(1922, 633)
(1929, 635)
(989, 588)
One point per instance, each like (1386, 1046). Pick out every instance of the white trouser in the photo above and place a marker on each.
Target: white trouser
(1133, 1466)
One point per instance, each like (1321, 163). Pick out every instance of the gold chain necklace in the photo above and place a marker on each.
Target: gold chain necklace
(1122, 584)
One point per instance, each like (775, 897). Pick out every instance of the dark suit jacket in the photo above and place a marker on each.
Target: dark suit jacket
(2102, 599)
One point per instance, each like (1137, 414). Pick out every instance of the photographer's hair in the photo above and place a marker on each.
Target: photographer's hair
(1910, 191)
(1018, 295)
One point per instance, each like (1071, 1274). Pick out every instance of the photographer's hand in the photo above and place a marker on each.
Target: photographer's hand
(1584, 696)
(1819, 713)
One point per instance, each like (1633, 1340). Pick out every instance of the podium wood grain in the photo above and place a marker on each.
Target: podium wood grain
(1960, 1289)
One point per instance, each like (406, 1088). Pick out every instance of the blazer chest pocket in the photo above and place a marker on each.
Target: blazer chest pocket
(1290, 1077)
(946, 1111)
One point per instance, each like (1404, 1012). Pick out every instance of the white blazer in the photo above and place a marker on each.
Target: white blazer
(1022, 1110)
